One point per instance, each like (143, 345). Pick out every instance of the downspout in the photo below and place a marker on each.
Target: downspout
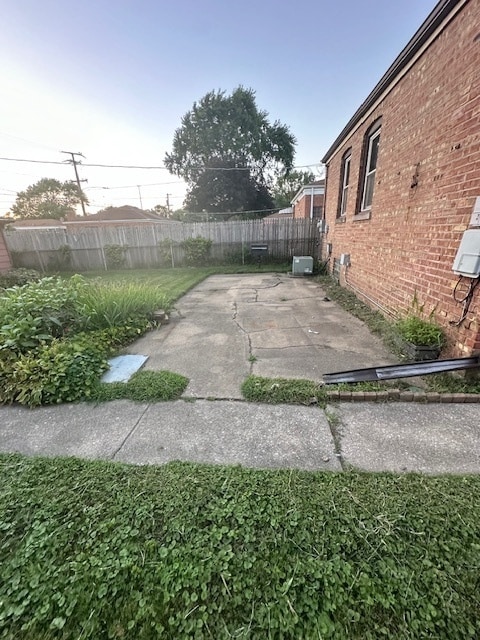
(311, 204)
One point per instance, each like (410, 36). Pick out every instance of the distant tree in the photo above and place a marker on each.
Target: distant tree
(48, 198)
(287, 186)
(162, 210)
(179, 215)
(228, 152)
(226, 191)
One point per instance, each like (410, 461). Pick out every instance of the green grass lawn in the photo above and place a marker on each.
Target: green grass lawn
(93, 550)
(174, 283)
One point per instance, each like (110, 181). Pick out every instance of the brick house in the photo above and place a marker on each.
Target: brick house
(404, 174)
(5, 261)
(308, 201)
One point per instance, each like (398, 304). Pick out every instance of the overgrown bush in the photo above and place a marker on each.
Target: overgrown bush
(61, 260)
(197, 250)
(38, 312)
(165, 251)
(56, 334)
(420, 332)
(119, 303)
(115, 255)
(18, 277)
(62, 371)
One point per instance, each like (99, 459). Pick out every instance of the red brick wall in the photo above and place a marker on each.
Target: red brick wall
(5, 263)
(301, 209)
(431, 118)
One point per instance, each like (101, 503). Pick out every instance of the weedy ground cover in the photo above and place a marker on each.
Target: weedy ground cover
(104, 550)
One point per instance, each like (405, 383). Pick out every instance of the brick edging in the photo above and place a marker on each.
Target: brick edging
(402, 396)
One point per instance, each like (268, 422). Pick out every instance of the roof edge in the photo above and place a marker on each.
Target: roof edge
(435, 18)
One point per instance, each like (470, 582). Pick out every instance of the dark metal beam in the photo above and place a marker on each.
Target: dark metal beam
(402, 370)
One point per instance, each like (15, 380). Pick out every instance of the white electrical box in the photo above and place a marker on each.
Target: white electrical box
(467, 260)
(302, 266)
(475, 219)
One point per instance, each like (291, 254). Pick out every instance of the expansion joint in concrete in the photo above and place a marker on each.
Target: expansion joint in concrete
(335, 425)
(130, 433)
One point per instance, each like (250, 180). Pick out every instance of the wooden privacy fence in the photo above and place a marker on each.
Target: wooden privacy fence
(82, 246)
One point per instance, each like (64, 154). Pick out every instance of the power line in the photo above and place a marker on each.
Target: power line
(227, 213)
(155, 167)
(132, 186)
(36, 161)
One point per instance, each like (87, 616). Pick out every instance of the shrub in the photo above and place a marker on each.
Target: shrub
(18, 277)
(62, 371)
(420, 332)
(165, 250)
(197, 250)
(38, 312)
(119, 303)
(415, 329)
(44, 355)
(115, 255)
(61, 259)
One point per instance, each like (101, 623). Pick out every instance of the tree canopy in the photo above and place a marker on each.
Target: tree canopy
(228, 152)
(48, 198)
(287, 186)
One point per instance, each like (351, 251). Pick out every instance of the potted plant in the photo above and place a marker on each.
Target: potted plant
(420, 339)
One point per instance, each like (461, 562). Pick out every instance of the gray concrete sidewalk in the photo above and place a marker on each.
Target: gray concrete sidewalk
(396, 437)
(268, 325)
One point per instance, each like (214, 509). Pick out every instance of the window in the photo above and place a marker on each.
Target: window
(370, 166)
(345, 181)
(317, 212)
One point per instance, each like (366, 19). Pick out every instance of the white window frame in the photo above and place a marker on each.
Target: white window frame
(369, 174)
(345, 184)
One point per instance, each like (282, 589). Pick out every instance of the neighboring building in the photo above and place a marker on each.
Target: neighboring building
(5, 261)
(126, 212)
(282, 214)
(125, 215)
(404, 174)
(308, 201)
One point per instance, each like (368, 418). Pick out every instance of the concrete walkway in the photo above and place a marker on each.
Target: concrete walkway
(272, 326)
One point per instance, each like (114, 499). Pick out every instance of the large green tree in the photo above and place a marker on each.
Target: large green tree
(287, 186)
(48, 198)
(228, 152)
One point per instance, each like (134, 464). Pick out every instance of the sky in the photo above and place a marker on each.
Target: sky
(112, 79)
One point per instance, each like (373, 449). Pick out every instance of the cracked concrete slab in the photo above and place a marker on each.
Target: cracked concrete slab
(229, 326)
(399, 436)
(82, 430)
(223, 432)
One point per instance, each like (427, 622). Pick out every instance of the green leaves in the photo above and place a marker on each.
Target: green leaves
(227, 150)
(282, 390)
(187, 551)
(143, 386)
(420, 332)
(197, 250)
(56, 335)
(48, 198)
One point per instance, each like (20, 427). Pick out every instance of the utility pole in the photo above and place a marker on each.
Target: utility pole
(168, 203)
(140, 196)
(74, 161)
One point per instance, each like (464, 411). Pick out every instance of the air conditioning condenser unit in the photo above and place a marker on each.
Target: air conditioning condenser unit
(302, 266)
